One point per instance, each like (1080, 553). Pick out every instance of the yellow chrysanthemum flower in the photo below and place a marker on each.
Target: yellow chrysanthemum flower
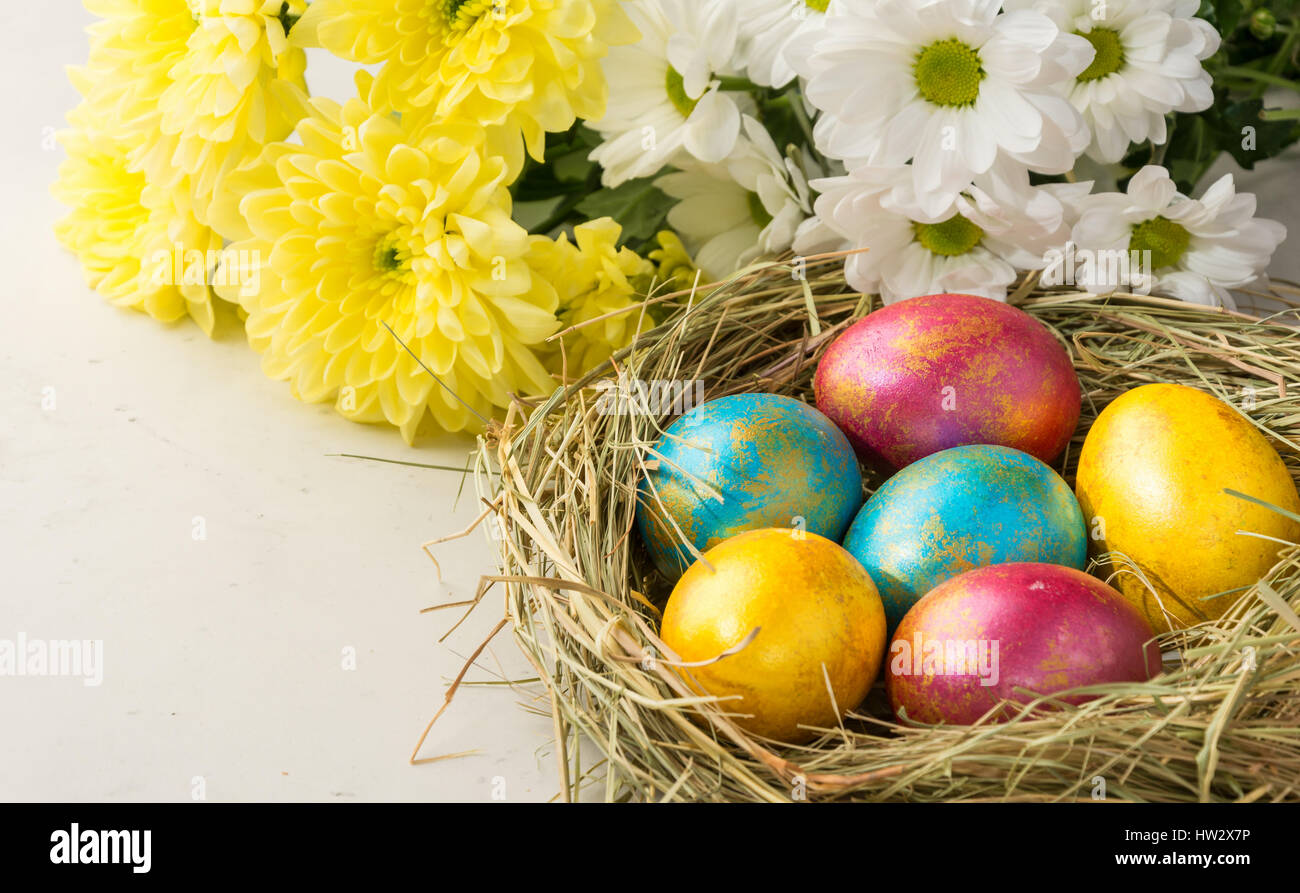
(203, 84)
(533, 65)
(597, 283)
(137, 247)
(673, 263)
(357, 228)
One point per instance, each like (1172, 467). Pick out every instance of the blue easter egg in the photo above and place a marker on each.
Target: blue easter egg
(745, 462)
(962, 508)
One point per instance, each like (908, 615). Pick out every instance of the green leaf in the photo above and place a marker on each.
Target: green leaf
(531, 215)
(638, 206)
(779, 118)
(1227, 15)
(1231, 125)
(585, 136)
(566, 170)
(1193, 147)
(573, 167)
(1268, 138)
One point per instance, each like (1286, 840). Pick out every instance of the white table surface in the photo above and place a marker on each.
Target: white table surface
(223, 659)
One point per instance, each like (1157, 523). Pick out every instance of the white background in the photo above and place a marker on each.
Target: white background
(223, 658)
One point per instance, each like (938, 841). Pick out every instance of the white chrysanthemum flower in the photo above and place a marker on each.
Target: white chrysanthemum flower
(749, 206)
(816, 236)
(768, 28)
(952, 85)
(1199, 248)
(1147, 64)
(665, 99)
(996, 227)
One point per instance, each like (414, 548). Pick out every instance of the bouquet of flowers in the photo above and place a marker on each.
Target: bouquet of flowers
(512, 179)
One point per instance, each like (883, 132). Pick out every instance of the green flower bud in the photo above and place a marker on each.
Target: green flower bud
(1263, 24)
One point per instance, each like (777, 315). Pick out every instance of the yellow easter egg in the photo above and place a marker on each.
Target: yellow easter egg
(1151, 482)
(818, 619)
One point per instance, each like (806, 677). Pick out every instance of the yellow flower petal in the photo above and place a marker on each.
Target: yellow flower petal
(139, 248)
(525, 65)
(198, 87)
(357, 236)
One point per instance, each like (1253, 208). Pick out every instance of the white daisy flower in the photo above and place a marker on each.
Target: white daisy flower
(996, 227)
(953, 85)
(816, 236)
(1199, 248)
(748, 207)
(768, 28)
(1147, 64)
(665, 96)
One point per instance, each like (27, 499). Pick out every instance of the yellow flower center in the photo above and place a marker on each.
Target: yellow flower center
(1110, 53)
(676, 87)
(948, 72)
(819, 5)
(460, 15)
(1166, 240)
(951, 238)
(392, 259)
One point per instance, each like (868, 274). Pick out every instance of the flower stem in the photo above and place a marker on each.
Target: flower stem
(1279, 61)
(1280, 115)
(801, 115)
(736, 84)
(1262, 77)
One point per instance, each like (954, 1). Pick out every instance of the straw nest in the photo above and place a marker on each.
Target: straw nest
(559, 482)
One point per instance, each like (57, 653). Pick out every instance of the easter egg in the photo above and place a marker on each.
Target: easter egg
(741, 463)
(940, 371)
(959, 509)
(974, 640)
(1151, 481)
(814, 617)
